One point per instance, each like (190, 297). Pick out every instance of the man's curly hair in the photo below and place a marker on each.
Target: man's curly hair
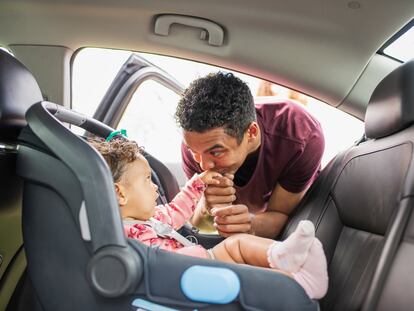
(117, 153)
(217, 100)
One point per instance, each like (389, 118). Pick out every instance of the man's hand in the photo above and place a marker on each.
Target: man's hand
(210, 177)
(232, 219)
(221, 193)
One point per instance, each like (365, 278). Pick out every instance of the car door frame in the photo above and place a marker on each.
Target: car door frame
(131, 75)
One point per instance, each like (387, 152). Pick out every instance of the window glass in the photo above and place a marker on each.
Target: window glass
(149, 119)
(403, 47)
(93, 72)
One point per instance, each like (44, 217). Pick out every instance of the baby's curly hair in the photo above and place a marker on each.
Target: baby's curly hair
(217, 100)
(117, 153)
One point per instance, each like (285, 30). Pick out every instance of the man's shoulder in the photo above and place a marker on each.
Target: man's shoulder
(282, 109)
(287, 119)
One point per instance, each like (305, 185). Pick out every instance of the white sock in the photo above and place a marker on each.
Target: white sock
(313, 276)
(291, 254)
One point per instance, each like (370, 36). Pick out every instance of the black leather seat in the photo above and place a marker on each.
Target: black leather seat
(18, 91)
(361, 204)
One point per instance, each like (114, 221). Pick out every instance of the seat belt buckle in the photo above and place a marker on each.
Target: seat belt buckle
(165, 230)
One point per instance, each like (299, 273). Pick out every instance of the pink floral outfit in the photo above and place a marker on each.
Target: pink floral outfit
(174, 214)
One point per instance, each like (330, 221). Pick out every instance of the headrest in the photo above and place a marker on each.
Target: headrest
(18, 91)
(391, 106)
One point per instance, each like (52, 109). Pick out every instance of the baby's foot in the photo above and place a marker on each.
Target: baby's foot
(291, 254)
(313, 276)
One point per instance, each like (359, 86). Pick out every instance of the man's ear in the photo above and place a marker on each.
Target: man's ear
(121, 194)
(253, 131)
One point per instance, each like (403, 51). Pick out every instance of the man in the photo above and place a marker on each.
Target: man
(268, 154)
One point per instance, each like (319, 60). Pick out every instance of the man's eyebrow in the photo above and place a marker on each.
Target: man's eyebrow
(216, 146)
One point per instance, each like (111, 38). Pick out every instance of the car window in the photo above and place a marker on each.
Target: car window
(149, 117)
(149, 120)
(401, 46)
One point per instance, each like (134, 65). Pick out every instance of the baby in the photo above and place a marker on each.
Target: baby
(300, 256)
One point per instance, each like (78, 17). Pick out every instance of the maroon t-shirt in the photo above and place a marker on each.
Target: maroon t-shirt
(292, 145)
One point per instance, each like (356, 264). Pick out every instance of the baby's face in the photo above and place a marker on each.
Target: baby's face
(140, 190)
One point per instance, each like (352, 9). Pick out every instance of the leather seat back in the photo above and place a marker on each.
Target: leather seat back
(363, 196)
(18, 91)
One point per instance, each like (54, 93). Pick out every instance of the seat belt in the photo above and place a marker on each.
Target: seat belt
(162, 229)
(392, 242)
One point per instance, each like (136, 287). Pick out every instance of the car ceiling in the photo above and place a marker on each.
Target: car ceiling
(320, 47)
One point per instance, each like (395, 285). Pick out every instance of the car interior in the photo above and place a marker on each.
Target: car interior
(62, 245)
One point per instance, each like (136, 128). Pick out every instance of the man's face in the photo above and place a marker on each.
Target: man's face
(215, 150)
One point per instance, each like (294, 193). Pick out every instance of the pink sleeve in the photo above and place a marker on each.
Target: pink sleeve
(177, 212)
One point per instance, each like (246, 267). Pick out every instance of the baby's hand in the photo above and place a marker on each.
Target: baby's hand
(210, 177)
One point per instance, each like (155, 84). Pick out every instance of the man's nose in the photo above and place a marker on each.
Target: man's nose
(205, 163)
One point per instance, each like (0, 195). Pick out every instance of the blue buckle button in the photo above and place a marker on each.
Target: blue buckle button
(210, 284)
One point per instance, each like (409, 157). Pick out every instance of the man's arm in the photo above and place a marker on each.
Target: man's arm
(297, 178)
(234, 219)
(280, 206)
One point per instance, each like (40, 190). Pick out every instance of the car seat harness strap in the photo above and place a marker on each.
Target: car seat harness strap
(162, 229)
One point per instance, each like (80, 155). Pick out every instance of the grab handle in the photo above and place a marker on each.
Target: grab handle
(215, 32)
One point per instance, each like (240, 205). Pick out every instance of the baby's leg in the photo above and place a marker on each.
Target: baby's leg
(288, 255)
(245, 249)
(312, 274)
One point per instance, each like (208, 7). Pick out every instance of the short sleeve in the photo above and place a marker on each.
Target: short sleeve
(305, 168)
(190, 166)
